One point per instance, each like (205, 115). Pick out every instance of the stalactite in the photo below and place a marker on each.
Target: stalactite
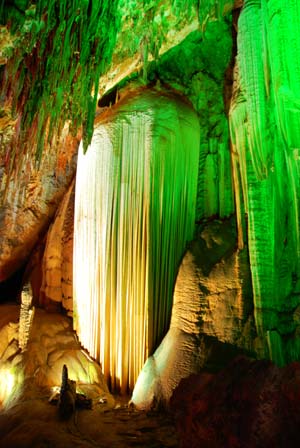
(215, 181)
(135, 206)
(60, 51)
(253, 65)
(26, 317)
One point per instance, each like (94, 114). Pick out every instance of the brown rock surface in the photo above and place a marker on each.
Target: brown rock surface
(249, 404)
(211, 316)
(52, 343)
(30, 196)
(57, 264)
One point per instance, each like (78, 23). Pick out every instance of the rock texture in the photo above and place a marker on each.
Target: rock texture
(28, 420)
(248, 404)
(29, 199)
(135, 204)
(211, 317)
(51, 344)
(57, 262)
(264, 122)
(11, 374)
(213, 311)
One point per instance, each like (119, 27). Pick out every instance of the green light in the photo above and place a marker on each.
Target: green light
(265, 123)
(134, 213)
(61, 51)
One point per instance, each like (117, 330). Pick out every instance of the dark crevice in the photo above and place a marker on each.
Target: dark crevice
(10, 289)
(109, 99)
(228, 82)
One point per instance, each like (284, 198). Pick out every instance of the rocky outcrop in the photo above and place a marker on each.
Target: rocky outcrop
(212, 315)
(52, 344)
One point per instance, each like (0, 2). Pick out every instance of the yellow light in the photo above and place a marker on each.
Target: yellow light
(135, 206)
(9, 386)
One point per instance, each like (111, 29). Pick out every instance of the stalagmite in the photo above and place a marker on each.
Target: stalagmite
(134, 213)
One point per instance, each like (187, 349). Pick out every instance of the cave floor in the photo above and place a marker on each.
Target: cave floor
(28, 419)
(33, 422)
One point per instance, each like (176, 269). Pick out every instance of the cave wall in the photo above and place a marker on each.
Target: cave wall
(30, 196)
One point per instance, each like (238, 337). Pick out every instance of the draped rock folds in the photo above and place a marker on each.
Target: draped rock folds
(134, 213)
(264, 122)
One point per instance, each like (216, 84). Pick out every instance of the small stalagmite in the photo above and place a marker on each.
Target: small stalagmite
(67, 397)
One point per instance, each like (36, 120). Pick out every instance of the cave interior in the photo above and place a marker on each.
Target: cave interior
(149, 223)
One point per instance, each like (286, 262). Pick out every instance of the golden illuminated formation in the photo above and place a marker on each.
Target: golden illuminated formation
(134, 212)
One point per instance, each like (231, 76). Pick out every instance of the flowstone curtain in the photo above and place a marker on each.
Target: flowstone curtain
(265, 123)
(134, 213)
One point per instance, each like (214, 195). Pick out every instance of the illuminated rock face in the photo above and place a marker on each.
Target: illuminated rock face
(134, 212)
(197, 67)
(29, 197)
(265, 123)
(57, 264)
(212, 316)
(51, 344)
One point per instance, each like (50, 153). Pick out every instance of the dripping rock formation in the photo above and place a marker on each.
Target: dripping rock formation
(149, 195)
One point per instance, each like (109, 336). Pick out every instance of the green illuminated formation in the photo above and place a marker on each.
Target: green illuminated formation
(265, 130)
(60, 51)
(196, 68)
(134, 212)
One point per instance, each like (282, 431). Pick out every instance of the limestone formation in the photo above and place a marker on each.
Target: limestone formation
(26, 317)
(135, 204)
(29, 200)
(57, 262)
(212, 316)
(264, 123)
(74, 70)
(67, 396)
